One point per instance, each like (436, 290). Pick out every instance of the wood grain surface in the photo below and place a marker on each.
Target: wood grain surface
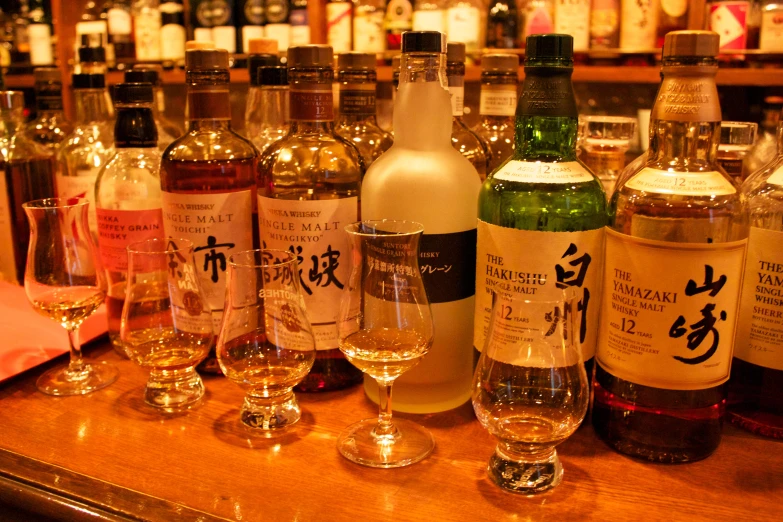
(109, 454)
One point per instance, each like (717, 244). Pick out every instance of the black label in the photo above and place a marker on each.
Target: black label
(448, 265)
(357, 102)
(547, 91)
(276, 11)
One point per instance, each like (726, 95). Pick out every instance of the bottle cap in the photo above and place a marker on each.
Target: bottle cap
(310, 56)
(142, 76)
(255, 61)
(133, 92)
(549, 46)
(92, 54)
(206, 59)
(193, 45)
(356, 61)
(455, 52)
(11, 100)
(691, 43)
(500, 62)
(262, 46)
(423, 42)
(272, 76)
(88, 81)
(47, 75)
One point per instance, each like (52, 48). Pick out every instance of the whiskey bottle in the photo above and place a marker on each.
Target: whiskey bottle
(207, 179)
(399, 18)
(250, 22)
(49, 128)
(675, 246)
(422, 178)
(467, 142)
(300, 23)
(338, 25)
(502, 32)
(308, 191)
(755, 398)
(120, 25)
(672, 16)
(127, 194)
(368, 33)
(573, 17)
(356, 120)
(146, 29)
(429, 15)
(224, 31)
(172, 31)
(266, 115)
(638, 24)
(605, 24)
(539, 17)
(542, 213)
(277, 25)
(167, 131)
(463, 23)
(498, 104)
(200, 26)
(39, 33)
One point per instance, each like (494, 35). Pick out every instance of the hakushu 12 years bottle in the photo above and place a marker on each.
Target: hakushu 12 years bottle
(675, 246)
(308, 192)
(542, 213)
(207, 178)
(423, 178)
(755, 400)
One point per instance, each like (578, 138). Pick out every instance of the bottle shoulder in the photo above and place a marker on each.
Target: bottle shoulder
(211, 145)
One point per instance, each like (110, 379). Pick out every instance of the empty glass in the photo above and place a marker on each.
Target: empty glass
(605, 140)
(736, 140)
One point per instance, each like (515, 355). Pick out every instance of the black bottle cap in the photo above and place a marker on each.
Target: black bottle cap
(310, 56)
(88, 81)
(272, 76)
(423, 42)
(92, 54)
(549, 47)
(255, 61)
(455, 52)
(137, 92)
(142, 76)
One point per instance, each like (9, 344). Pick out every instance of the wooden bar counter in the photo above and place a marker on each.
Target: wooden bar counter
(107, 456)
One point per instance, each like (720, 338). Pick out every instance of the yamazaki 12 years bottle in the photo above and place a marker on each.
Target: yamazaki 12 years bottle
(208, 180)
(309, 183)
(675, 247)
(542, 213)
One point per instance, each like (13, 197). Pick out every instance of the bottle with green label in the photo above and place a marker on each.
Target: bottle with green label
(542, 212)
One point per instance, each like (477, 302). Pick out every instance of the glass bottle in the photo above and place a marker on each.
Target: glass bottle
(771, 35)
(308, 191)
(49, 128)
(399, 18)
(573, 17)
(250, 23)
(672, 16)
(266, 116)
(172, 31)
(467, 142)
(368, 32)
(605, 140)
(167, 130)
(356, 120)
(118, 16)
(539, 17)
(422, 178)
(542, 213)
(300, 24)
(502, 32)
(675, 246)
(146, 29)
(429, 15)
(499, 83)
(277, 24)
(338, 25)
(736, 21)
(39, 33)
(127, 194)
(463, 23)
(766, 146)
(207, 179)
(638, 24)
(755, 395)
(605, 24)
(200, 26)
(736, 140)
(26, 174)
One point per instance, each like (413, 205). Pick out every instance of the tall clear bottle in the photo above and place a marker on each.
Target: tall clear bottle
(675, 246)
(207, 179)
(467, 142)
(49, 128)
(309, 184)
(356, 120)
(127, 194)
(498, 104)
(422, 178)
(167, 130)
(266, 117)
(542, 212)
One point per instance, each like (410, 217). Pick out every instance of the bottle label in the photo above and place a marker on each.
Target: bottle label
(573, 17)
(462, 25)
(172, 42)
(254, 12)
(82, 185)
(279, 32)
(209, 103)
(498, 100)
(448, 265)
(119, 228)
(40, 37)
(777, 177)
(311, 105)
(357, 98)
(368, 35)
(147, 29)
(730, 21)
(669, 311)
(604, 20)
(314, 232)
(338, 26)
(771, 39)
(538, 20)
(202, 34)
(429, 20)
(399, 14)
(225, 37)
(674, 8)
(119, 20)
(657, 181)
(219, 225)
(639, 24)
(277, 11)
(457, 98)
(220, 13)
(760, 326)
(300, 34)
(252, 31)
(539, 266)
(565, 172)
(7, 244)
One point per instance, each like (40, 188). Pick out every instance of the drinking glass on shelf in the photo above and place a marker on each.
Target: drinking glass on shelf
(166, 324)
(736, 140)
(64, 282)
(605, 140)
(530, 389)
(266, 345)
(384, 328)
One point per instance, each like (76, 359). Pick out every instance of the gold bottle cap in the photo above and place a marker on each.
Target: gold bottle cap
(11, 100)
(206, 59)
(310, 56)
(356, 61)
(691, 43)
(500, 62)
(193, 45)
(262, 46)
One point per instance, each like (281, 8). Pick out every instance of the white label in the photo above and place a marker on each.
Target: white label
(147, 32)
(172, 42)
(281, 33)
(119, 21)
(250, 32)
(225, 37)
(93, 27)
(669, 311)
(638, 24)
(40, 36)
(539, 266)
(674, 8)
(498, 100)
(457, 99)
(202, 34)
(710, 183)
(314, 231)
(368, 33)
(300, 35)
(82, 185)
(338, 26)
(462, 25)
(430, 20)
(573, 17)
(771, 39)
(219, 225)
(777, 177)
(760, 327)
(7, 246)
(539, 172)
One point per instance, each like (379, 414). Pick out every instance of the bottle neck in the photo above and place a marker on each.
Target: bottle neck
(357, 97)
(311, 105)
(456, 81)
(159, 106)
(135, 127)
(92, 105)
(498, 100)
(268, 106)
(208, 101)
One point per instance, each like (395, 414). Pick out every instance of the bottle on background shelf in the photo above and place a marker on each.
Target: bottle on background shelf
(266, 115)
(766, 147)
(604, 142)
(146, 29)
(300, 23)
(430, 15)
(422, 178)
(605, 24)
(738, 22)
(201, 20)
(250, 22)
(92, 56)
(49, 128)
(573, 17)
(313, 172)
(463, 23)
(167, 131)
(467, 142)
(26, 174)
(207, 179)
(675, 246)
(539, 17)
(771, 35)
(672, 16)
(638, 25)
(20, 21)
(224, 31)
(277, 25)
(736, 140)
(172, 31)
(368, 31)
(339, 15)
(91, 22)
(399, 18)
(127, 194)
(120, 25)
(502, 25)
(39, 33)
(498, 104)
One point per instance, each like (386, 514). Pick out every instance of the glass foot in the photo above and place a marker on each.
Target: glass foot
(259, 414)
(64, 381)
(409, 444)
(173, 391)
(529, 477)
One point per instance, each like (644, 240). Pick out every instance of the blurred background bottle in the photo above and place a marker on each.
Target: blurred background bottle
(502, 28)
(736, 140)
(463, 23)
(368, 32)
(499, 85)
(167, 131)
(49, 128)
(605, 24)
(338, 25)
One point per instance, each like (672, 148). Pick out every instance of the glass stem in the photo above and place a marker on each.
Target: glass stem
(76, 364)
(385, 425)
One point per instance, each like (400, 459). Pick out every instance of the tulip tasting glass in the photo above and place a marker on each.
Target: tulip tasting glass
(64, 282)
(736, 140)
(166, 322)
(266, 344)
(530, 389)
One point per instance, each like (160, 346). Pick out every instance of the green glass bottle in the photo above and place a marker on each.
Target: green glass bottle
(542, 212)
